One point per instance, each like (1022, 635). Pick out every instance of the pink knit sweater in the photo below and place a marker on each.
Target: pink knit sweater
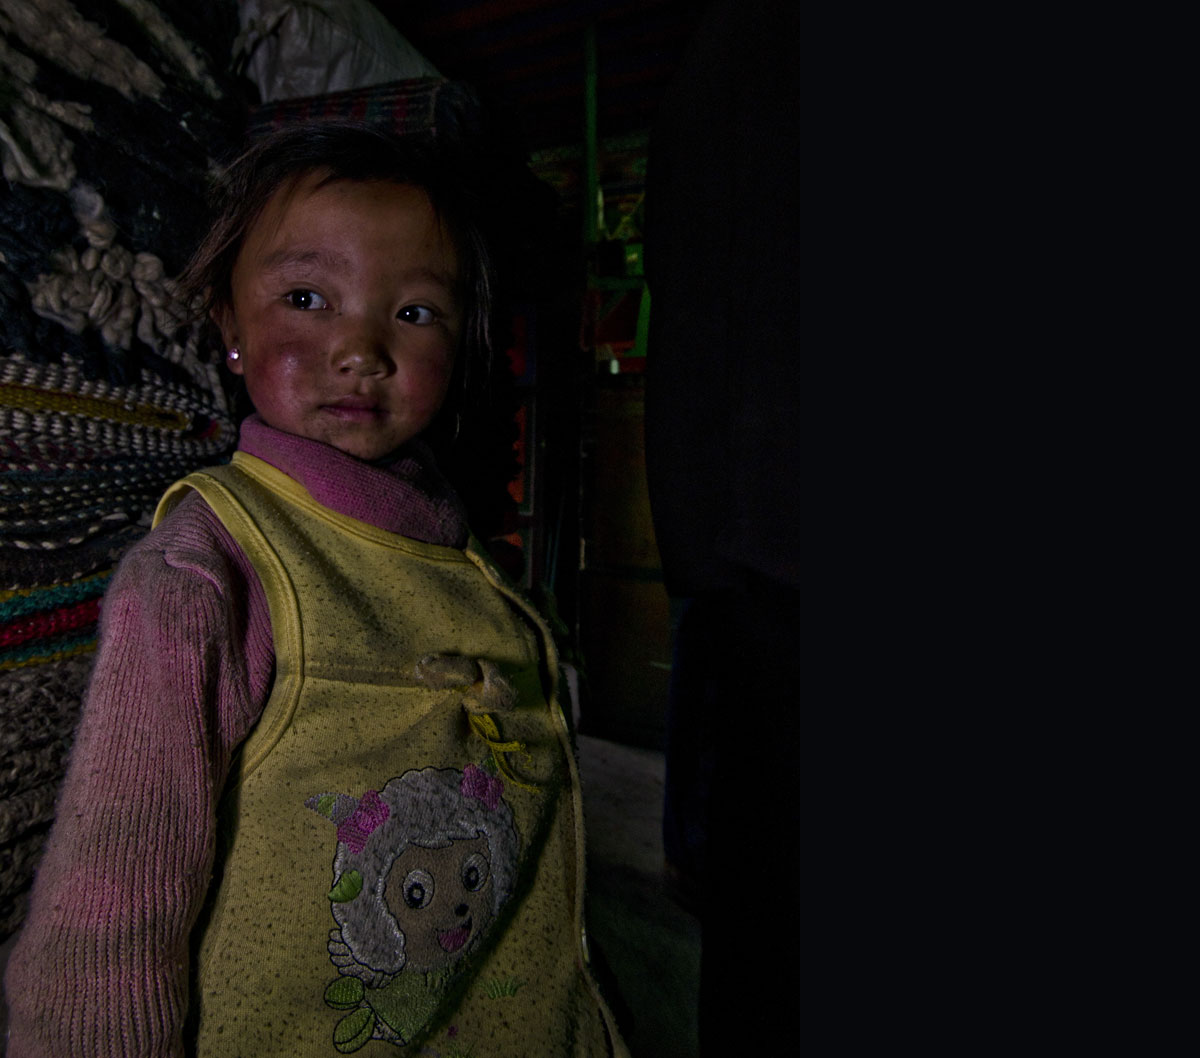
(182, 674)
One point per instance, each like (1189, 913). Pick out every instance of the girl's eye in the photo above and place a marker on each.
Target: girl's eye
(418, 314)
(305, 299)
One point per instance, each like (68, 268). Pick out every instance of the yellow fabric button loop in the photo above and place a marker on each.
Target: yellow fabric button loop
(485, 727)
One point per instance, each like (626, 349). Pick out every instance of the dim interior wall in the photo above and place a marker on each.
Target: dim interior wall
(625, 624)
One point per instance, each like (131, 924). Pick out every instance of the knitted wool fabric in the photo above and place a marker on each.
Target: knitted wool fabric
(427, 507)
(38, 710)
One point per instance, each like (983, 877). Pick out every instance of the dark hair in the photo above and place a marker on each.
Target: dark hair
(346, 151)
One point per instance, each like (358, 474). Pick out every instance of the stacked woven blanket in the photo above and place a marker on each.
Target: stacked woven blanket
(112, 113)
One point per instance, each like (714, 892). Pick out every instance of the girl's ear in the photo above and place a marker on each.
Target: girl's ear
(222, 316)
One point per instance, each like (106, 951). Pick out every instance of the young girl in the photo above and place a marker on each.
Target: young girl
(322, 797)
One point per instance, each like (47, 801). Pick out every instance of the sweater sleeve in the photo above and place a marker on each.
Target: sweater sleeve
(181, 675)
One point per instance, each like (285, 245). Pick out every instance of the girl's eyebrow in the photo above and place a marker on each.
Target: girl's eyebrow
(444, 279)
(331, 260)
(280, 259)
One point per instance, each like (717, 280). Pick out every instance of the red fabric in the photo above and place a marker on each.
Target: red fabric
(50, 623)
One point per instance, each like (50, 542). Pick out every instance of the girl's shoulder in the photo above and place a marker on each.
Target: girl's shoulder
(190, 538)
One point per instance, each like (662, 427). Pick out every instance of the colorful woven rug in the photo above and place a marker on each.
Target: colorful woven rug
(111, 115)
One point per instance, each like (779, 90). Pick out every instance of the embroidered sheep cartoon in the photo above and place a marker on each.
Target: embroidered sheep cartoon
(422, 868)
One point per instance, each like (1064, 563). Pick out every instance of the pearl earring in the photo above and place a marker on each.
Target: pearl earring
(235, 353)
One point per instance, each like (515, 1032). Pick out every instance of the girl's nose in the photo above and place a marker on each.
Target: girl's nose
(362, 352)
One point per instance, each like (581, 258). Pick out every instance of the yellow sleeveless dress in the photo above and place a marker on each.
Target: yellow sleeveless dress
(400, 859)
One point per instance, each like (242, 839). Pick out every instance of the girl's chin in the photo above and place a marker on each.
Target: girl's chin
(370, 436)
(368, 449)
(368, 453)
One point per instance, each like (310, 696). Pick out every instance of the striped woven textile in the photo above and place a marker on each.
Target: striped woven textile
(110, 122)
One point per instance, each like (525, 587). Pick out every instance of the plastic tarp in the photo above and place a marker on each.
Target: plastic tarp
(296, 48)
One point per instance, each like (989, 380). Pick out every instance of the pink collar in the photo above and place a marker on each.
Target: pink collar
(409, 496)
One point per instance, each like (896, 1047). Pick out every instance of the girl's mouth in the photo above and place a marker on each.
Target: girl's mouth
(354, 411)
(450, 940)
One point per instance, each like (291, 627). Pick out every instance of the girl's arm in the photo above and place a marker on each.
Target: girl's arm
(181, 675)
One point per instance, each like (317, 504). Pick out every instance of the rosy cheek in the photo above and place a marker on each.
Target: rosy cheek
(426, 380)
(278, 385)
(435, 387)
(289, 362)
(284, 362)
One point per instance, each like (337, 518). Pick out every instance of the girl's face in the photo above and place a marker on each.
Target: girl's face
(347, 313)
